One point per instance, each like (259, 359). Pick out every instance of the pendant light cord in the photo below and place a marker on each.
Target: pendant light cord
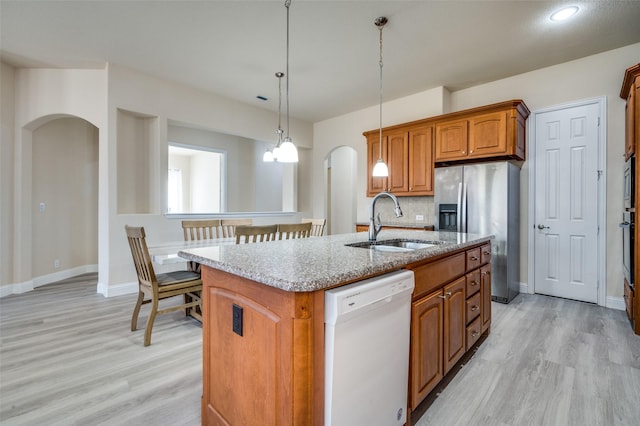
(287, 3)
(380, 27)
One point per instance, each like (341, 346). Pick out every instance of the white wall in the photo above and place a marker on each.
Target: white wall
(7, 152)
(343, 164)
(590, 77)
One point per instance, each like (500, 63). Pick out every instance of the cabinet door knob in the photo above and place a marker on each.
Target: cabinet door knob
(474, 308)
(474, 283)
(486, 252)
(474, 334)
(474, 258)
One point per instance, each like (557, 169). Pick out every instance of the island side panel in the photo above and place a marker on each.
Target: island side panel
(268, 374)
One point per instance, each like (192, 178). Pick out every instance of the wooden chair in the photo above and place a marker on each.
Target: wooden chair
(229, 226)
(317, 226)
(201, 229)
(290, 231)
(152, 288)
(255, 234)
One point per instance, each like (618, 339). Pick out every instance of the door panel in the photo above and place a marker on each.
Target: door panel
(566, 180)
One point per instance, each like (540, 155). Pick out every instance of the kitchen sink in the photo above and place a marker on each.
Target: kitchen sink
(397, 245)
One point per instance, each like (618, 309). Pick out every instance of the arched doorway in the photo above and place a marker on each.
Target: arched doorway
(341, 182)
(64, 194)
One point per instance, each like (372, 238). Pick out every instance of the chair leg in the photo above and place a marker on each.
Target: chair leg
(187, 299)
(152, 317)
(136, 311)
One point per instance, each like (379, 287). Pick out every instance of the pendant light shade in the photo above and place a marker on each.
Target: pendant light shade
(268, 157)
(380, 169)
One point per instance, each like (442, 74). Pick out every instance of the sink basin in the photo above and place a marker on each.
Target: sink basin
(399, 245)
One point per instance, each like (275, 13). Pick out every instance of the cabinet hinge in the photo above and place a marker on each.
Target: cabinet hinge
(599, 174)
(598, 121)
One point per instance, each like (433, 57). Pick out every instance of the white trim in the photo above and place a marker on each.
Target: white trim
(63, 275)
(524, 288)
(118, 289)
(616, 303)
(602, 191)
(24, 287)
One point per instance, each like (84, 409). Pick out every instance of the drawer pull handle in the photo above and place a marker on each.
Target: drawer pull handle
(474, 334)
(486, 252)
(474, 283)
(474, 308)
(485, 273)
(474, 258)
(447, 294)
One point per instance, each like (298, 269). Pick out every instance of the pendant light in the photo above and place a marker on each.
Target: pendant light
(271, 156)
(380, 169)
(288, 152)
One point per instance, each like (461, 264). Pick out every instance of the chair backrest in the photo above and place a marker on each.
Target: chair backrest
(290, 231)
(140, 254)
(317, 226)
(201, 229)
(255, 234)
(229, 226)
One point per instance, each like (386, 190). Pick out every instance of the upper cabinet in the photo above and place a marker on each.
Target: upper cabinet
(631, 93)
(408, 152)
(492, 131)
(412, 150)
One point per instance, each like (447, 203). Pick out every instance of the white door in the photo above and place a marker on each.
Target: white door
(566, 203)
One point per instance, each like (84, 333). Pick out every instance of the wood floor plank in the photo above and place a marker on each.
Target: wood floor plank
(67, 357)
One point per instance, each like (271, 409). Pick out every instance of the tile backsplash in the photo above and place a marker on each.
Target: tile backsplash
(411, 206)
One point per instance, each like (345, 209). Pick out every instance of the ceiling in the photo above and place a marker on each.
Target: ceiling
(234, 48)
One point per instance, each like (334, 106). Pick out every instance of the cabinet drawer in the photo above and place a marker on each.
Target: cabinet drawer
(485, 253)
(473, 333)
(473, 307)
(473, 282)
(473, 258)
(434, 275)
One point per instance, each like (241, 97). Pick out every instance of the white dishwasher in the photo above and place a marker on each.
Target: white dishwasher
(367, 326)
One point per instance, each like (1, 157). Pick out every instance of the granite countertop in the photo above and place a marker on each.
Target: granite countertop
(318, 263)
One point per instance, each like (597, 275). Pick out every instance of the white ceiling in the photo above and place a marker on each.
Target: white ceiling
(234, 48)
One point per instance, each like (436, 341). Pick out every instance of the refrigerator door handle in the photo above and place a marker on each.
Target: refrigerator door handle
(459, 209)
(464, 207)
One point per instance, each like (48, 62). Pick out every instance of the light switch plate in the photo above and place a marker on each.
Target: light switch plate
(419, 218)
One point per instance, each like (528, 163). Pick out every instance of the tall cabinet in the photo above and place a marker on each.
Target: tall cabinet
(631, 94)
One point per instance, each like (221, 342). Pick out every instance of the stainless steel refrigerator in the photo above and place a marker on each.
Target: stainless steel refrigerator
(484, 198)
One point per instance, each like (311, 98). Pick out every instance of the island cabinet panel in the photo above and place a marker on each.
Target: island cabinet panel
(451, 309)
(454, 322)
(485, 297)
(263, 353)
(427, 366)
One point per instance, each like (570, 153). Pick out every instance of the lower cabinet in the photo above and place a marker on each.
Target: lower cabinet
(448, 318)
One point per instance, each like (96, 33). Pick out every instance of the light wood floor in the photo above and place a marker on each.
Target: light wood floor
(67, 357)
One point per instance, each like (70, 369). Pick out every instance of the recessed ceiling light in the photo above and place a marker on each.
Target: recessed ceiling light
(564, 13)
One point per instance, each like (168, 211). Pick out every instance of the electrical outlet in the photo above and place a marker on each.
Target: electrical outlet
(41, 207)
(419, 217)
(56, 263)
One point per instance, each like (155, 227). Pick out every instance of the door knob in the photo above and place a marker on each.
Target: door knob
(540, 226)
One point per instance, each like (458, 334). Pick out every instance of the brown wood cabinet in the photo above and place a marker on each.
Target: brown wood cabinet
(408, 153)
(411, 150)
(449, 314)
(492, 131)
(631, 93)
(278, 346)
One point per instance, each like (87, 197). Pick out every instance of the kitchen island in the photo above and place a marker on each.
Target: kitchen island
(263, 318)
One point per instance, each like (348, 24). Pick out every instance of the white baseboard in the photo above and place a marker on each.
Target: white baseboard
(26, 286)
(118, 289)
(615, 303)
(524, 287)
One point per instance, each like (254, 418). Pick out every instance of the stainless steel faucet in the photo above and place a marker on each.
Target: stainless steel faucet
(374, 227)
